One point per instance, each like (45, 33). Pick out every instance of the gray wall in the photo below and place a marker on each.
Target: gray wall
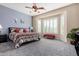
(7, 17)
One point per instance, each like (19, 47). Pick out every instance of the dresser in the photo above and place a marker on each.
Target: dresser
(3, 38)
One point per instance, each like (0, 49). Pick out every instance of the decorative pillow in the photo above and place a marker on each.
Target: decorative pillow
(21, 30)
(16, 30)
(26, 30)
(12, 30)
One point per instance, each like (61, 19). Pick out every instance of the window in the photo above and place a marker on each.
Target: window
(56, 24)
(48, 25)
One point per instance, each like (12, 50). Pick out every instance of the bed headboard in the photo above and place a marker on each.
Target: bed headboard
(10, 28)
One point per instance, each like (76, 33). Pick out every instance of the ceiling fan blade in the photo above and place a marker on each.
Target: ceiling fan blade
(28, 7)
(41, 8)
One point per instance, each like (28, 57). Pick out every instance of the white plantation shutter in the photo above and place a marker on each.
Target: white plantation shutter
(48, 25)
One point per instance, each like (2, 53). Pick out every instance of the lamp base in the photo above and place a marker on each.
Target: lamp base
(0, 31)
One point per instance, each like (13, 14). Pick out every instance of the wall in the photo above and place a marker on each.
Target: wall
(71, 16)
(7, 17)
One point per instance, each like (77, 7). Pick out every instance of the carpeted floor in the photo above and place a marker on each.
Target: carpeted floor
(44, 47)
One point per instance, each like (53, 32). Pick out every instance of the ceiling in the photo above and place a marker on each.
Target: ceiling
(21, 7)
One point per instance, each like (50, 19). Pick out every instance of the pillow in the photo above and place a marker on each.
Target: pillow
(21, 30)
(16, 30)
(12, 30)
(26, 30)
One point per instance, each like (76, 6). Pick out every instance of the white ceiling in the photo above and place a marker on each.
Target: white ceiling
(21, 7)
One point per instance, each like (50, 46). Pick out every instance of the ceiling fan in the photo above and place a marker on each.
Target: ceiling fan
(35, 7)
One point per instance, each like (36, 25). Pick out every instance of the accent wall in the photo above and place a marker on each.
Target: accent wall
(12, 18)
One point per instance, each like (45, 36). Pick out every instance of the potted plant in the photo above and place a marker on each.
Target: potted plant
(71, 35)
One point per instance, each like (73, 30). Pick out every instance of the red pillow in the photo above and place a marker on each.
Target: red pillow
(26, 30)
(16, 30)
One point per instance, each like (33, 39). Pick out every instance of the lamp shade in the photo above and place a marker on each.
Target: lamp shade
(1, 27)
(31, 28)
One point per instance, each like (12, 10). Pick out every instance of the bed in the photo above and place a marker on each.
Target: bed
(19, 38)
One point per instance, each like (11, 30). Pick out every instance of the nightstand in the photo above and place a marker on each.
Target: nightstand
(3, 38)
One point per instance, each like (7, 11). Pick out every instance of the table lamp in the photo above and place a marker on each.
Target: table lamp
(31, 28)
(0, 28)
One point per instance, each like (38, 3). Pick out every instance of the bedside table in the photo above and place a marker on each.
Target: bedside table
(3, 38)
